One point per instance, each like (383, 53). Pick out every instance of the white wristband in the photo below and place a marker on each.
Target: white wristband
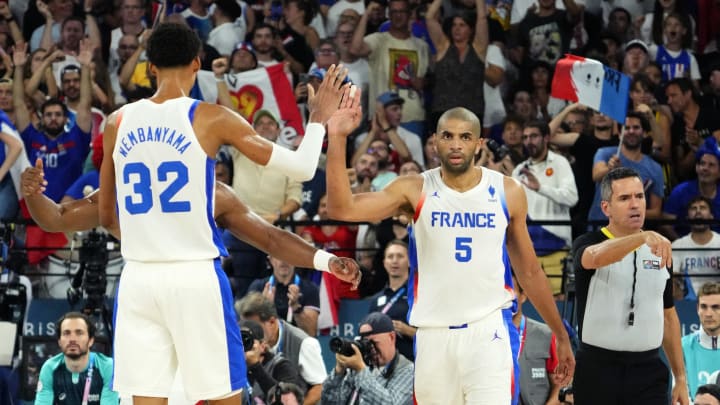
(321, 261)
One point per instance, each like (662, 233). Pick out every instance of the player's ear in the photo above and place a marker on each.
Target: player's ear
(196, 64)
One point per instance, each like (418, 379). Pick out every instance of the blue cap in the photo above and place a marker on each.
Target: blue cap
(710, 147)
(390, 97)
(318, 73)
(378, 322)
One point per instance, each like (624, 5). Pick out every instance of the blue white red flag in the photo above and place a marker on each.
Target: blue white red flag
(592, 84)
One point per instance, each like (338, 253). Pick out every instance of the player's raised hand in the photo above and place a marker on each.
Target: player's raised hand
(566, 366)
(347, 118)
(347, 270)
(329, 95)
(32, 180)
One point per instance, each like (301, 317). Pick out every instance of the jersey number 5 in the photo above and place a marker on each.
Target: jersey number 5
(463, 249)
(143, 187)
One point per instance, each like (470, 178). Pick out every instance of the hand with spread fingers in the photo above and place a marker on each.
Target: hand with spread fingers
(329, 95)
(347, 118)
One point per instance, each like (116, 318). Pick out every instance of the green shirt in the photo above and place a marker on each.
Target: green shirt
(58, 385)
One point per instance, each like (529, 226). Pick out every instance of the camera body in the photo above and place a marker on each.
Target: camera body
(344, 346)
(248, 339)
(499, 151)
(93, 262)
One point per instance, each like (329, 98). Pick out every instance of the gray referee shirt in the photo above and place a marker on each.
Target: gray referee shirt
(604, 297)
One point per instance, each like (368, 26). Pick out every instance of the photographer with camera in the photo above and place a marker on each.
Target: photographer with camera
(373, 372)
(265, 369)
(77, 375)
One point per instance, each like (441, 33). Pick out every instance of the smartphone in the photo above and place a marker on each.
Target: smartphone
(304, 78)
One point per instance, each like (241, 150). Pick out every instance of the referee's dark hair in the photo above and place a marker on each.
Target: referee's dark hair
(173, 45)
(75, 315)
(255, 304)
(613, 175)
(710, 389)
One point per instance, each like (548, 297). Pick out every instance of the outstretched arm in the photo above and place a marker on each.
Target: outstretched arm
(342, 204)
(531, 276)
(249, 227)
(299, 164)
(73, 216)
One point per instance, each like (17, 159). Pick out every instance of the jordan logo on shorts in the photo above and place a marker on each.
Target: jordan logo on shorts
(496, 337)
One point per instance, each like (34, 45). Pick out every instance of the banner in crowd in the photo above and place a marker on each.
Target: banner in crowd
(592, 84)
(258, 89)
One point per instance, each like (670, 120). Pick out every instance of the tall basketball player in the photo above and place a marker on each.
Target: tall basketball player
(174, 307)
(467, 222)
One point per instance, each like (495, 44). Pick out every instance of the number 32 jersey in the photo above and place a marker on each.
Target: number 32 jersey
(460, 271)
(165, 184)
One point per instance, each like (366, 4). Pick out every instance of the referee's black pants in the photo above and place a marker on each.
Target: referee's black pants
(608, 377)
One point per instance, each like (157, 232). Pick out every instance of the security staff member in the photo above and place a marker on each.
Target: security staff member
(625, 305)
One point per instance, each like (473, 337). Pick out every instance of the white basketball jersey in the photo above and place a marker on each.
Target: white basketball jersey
(165, 184)
(460, 271)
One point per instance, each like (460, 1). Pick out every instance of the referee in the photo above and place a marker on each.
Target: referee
(625, 305)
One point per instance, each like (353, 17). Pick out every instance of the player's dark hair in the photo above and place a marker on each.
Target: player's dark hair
(173, 45)
(75, 315)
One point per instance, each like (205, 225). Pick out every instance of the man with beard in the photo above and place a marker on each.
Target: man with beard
(77, 375)
(629, 154)
(63, 151)
(700, 349)
(465, 218)
(550, 188)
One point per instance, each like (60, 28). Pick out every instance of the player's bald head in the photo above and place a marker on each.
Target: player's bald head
(460, 114)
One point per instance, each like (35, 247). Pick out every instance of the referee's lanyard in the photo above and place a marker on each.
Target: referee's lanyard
(523, 332)
(88, 379)
(296, 281)
(393, 300)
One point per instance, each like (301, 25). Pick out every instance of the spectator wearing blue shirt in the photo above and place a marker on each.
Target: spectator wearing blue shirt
(629, 154)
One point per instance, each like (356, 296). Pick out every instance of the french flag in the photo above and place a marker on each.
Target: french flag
(592, 84)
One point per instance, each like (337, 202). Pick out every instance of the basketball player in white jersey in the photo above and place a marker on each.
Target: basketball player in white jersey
(467, 222)
(174, 308)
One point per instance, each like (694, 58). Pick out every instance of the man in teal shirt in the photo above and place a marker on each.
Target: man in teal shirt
(701, 349)
(77, 375)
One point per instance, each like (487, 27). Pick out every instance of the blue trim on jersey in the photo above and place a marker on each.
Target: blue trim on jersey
(508, 274)
(191, 112)
(235, 352)
(514, 335)
(412, 274)
(210, 192)
(114, 323)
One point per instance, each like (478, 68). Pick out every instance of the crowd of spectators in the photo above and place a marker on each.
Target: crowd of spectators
(66, 64)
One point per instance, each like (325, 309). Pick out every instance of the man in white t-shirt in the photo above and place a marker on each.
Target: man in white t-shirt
(696, 254)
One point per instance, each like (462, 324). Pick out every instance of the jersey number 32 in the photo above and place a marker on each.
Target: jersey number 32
(139, 175)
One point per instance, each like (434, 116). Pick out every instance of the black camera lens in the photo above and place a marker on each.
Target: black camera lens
(248, 339)
(341, 346)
